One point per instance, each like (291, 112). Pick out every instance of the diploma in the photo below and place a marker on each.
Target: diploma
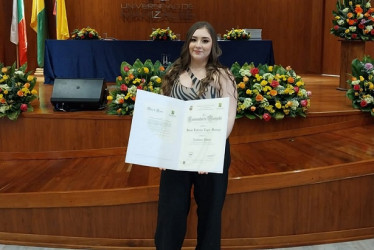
(180, 135)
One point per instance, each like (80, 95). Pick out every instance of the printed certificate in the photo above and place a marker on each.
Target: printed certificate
(180, 135)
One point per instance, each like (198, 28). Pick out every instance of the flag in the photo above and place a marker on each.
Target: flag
(39, 24)
(62, 28)
(18, 30)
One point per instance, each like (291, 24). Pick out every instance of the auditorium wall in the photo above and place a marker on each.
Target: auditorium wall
(299, 29)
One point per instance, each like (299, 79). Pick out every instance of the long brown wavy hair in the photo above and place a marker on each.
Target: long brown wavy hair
(184, 60)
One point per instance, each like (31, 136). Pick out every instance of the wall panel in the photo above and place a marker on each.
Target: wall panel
(299, 29)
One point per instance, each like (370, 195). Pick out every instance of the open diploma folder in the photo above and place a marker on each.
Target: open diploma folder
(180, 135)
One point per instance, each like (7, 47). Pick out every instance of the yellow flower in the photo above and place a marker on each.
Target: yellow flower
(371, 86)
(241, 85)
(347, 31)
(270, 68)
(158, 80)
(263, 83)
(4, 69)
(30, 78)
(6, 92)
(362, 78)
(278, 105)
(245, 79)
(5, 77)
(146, 70)
(248, 92)
(300, 83)
(109, 98)
(286, 111)
(34, 92)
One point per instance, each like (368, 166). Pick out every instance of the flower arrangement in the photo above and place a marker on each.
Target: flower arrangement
(353, 20)
(16, 91)
(236, 34)
(146, 76)
(85, 34)
(362, 85)
(162, 34)
(267, 92)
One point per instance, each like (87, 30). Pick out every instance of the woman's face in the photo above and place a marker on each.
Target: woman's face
(200, 45)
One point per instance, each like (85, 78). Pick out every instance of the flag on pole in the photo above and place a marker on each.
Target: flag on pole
(62, 28)
(39, 24)
(18, 30)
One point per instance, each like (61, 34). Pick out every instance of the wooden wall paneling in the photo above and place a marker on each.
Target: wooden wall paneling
(331, 45)
(292, 25)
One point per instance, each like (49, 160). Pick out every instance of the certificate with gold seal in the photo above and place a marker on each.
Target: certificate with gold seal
(180, 135)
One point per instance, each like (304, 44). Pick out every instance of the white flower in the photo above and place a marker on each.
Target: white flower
(245, 72)
(340, 22)
(257, 86)
(19, 72)
(368, 4)
(4, 108)
(368, 98)
(360, 16)
(247, 102)
(355, 82)
(268, 76)
(352, 28)
(132, 90)
(345, 10)
(5, 87)
(118, 98)
(369, 27)
(294, 104)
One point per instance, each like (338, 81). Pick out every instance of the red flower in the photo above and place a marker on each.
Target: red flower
(266, 117)
(90, 35)
(139, 87)
(254, 71)
(372, 32)
(126, 68)
(363, 103)
(354, 36)
(164, 37)
(123, 87)
(304, 103)
(23, 107)
(361, 26)
(296, 89)
(356, 87)
(336, 27)
(274, 83)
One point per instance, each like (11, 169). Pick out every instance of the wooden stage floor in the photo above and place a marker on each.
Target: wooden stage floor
(285, 175)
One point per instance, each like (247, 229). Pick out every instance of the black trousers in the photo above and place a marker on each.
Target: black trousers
(174, 205)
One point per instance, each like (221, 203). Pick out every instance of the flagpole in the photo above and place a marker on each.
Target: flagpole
(17, 56)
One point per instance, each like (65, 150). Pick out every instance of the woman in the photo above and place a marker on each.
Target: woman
(196, 74)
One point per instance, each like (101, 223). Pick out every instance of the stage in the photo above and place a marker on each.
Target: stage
(295, 181)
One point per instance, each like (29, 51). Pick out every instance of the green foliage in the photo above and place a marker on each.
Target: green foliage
(146, 76)
(16, 91)
(267, 92)
(361, 92)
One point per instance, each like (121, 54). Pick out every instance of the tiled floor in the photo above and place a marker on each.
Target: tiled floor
(352, 245)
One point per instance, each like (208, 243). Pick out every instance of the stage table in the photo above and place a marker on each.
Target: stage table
(103, 58)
